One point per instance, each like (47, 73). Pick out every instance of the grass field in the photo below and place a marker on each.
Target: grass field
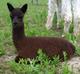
(35, 19)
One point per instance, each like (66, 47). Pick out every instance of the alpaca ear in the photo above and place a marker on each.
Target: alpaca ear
(10, 7)
(24, 8)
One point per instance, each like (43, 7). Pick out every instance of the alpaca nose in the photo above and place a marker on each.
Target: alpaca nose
(15, 21)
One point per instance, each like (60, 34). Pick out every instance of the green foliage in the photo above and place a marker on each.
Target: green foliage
(65, 56)
(2, 51)
(78, 50)
(45, 66)
(71, 28)
(73, 40)
(65, 69)
(70, 37)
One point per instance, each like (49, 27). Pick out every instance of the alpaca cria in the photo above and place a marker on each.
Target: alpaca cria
(27, 47)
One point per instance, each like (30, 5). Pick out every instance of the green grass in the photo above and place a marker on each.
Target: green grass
(46, 65)
(35, 19)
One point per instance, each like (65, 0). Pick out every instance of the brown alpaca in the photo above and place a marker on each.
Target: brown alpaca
(28, 46)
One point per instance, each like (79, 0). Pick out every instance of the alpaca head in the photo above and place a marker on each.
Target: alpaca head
(17, 14)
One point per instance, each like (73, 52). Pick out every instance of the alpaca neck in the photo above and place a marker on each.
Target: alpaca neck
(18, 32)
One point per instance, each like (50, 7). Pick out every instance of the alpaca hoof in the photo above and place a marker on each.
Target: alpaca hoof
(48, 27)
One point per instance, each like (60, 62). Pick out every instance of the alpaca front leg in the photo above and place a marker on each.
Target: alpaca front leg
(67, 22)
(76, 27)
(67, 14)
(59, 5)
(76, 9)
(49, 22)
(58, 18)
(66, 26)
(51, 12)
(18, 58)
